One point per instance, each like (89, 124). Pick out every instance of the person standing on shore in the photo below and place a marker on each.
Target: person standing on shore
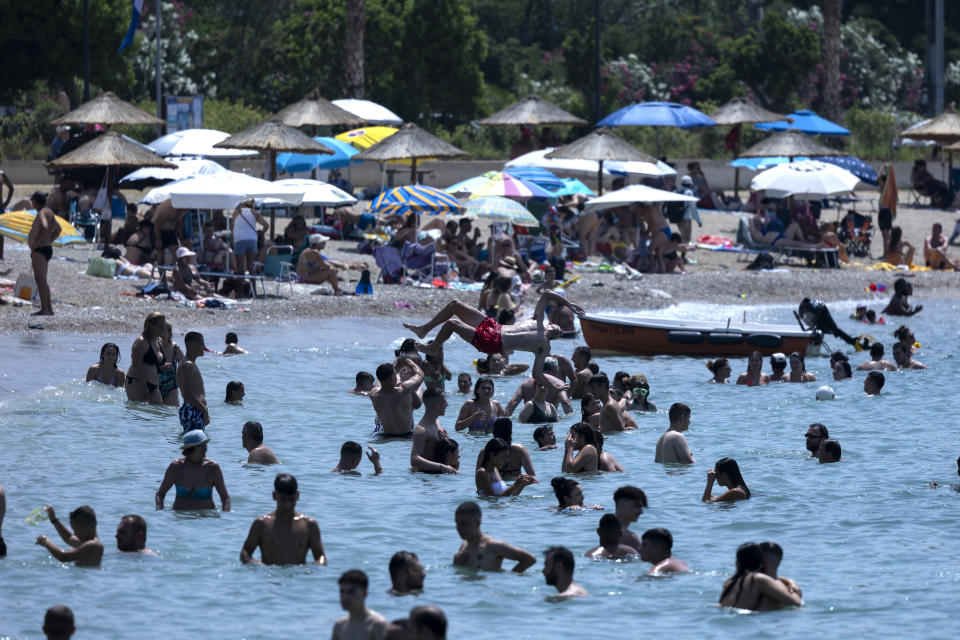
(44, 230)
(193, 411)
(284, 535)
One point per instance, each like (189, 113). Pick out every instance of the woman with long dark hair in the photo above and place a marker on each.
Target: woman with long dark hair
(569, 495)
(106, 370)
(720, 368)
(582, 440)
(495, 455)
(479, 413)
(898, 251)
(798, 369)
(726, 472)
(748, 586)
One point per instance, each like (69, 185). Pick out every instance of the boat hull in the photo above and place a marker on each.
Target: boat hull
(659, 336)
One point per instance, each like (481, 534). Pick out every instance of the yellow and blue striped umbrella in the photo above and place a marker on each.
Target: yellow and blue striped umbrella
(16, 225)
(417, 199)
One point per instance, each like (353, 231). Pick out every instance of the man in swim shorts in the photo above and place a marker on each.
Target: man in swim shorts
(284, 535)
(252, 439)
(132, 535)
(193, 411)
(480, 551)
(656, 547)
(558, 565)
(44, 230)
(394, 400)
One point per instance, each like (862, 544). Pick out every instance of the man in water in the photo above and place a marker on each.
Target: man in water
(528, 388)
(610, 532)
(899, 304)
(629, 503)
(406, 574)
(427, 623)
(393, 401)
(901, 355)
(611, 413)
(480, 551)
(464, 384)
(772, 555)
(816, 434)
(360, 623)
(873, 383)
(87, 549)
(232, 348)
(351, 453)
(252, 439)
(558, 565)
(829, 451)
(193, 411)
(58, 623)
(581, 366)
(283, 535)
(428, 432)
(778, 366)
(44, 230)
(672, 445)
(656, 547)
(364, 384)
(876, 361)
(132, 535)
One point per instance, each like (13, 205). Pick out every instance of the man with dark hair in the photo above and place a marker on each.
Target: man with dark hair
(406, 573)
(252, 439)
(193, 412)
(232, 347)
(351, 453)
(816, 434)
(360, 622)
(558, 565)
(393, 401)
(611, 413)
(480, 551)
(876, 361)
(829, 451)
(427, 623)
(610, 531)
(284, 535)
(672, 445)
(656, 546)
(364, 384)
(87, 549)
(873, 383)
(58, 623)
(772, 555)
(44, 230)
(629, 503)
(132, 535)
(428, 432)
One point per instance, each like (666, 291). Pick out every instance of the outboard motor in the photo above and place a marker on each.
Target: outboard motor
(815, 315)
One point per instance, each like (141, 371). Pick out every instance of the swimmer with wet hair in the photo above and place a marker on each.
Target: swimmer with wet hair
(480, 551)
(656, 547)
(365, 383)
(251, 436)
(106, 371)
(87, 549)
(610, 531)
(464, 384)
(132, 535)
(447, 452)
(284, 535)
(816, 434)
(582, 439)
(235, 393)
(406, 574)
(873, 383)
(798, 369)
(721, 370)
(232, 348)
(606, 461)
(545, 438)
(901, 355)
(427, 623)
(569, 495)
(351, 454)
(360, 621)
(829, 451)
(672, 446)
(772, 556)
(558, 566)
(749, 585)
(754, 376)
(876, 361)
(629, 503)
(726, 472)
(58, 623)
(842, 370)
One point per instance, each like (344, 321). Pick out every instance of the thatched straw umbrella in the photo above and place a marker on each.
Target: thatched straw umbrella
(109, 150)
(600, 145)
(945, 129)
(790, 144)
(532, 110)
(410, 142)
(737, 112)
(106, 109)
(316, 111)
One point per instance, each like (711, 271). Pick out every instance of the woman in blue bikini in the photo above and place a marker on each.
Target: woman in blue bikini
(496, 454)
(480, 413)
(194, 477)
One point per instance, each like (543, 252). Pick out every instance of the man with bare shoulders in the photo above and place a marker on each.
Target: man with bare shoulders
(873, 383)
(656, 545)
(393, 401)
(611, 413)
(132, 536)
(558, 565)
(528, 388)
(772, 555)
(232, 348)
(428, 432)
(610, 531)
(876, 361)
(44, 230)
(252, 439)
(629, 504)
(193, 411)
(58, 623)
(351, 455)
(87, 549)
(672, 445)
(581, 366)
(480, 551)
(365, 383)
(165, 220)
(406, 574)
(284, 535)
(360, 623)
(427, 622)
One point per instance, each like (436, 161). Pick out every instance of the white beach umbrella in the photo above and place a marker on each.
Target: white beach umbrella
(197, 142)
(315, 193)
(221, 191)
(369, 111)
(186, 168)
(632, 194)
(809, 179)
(611, 167)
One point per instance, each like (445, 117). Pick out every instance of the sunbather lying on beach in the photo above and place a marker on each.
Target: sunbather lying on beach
(772, 232)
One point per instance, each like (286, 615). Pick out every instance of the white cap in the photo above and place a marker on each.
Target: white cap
(183, 252)
(826, 393)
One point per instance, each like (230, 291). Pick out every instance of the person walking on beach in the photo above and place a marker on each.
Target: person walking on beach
(132, 535)
(558, 565)
(44, 230)
(194, 477)
(428, 432)
(360, 623)
(480, 551)
(284, 535)
(82, 536)
(193, 412)
(656, 547)
(610, 532)
(393, 401)
(58, 623)
(629, 503)
(672, 445)
(252, 439)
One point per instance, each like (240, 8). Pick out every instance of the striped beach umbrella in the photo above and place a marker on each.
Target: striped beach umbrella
(499, 209)
(498, 183)
(415, 199)
(537, 175)
(16, 225)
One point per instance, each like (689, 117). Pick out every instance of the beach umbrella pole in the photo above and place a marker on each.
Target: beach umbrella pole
(413, 171)
(600, 178)
(273, 176)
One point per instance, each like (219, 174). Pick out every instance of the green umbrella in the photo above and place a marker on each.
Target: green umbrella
(499, 209)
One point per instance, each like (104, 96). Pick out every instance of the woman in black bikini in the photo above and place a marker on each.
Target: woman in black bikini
(146, 361)
(749, 585)
(538, 410)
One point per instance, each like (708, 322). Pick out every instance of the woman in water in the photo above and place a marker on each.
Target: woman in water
(146, 361)
(842, 370)
(570, 495)
(447, 452)
(754, 376)
(538, 410)
(173, 357)
(235, 393)
(905, 337)
(582, 440)
(479, 413)
(720, 368)
(496, 454)
(106, 370)
(749, 586)
(590, 410)
(606, 462)
(726, 472)
(519, 456)
(798, 369)
(194, 476)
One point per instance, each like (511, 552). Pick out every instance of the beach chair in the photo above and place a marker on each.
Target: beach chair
(278, 264)
(423, 262)
(814, 256)
(87, 223)
(391, 266)
(856, 232)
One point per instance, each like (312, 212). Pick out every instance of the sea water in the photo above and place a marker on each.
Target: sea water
(874, 548)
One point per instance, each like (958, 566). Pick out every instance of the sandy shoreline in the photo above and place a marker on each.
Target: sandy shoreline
(85, 304)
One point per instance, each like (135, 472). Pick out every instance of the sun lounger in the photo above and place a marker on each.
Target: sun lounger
(812, 256)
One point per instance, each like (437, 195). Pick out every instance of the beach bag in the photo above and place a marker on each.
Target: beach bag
(154, 289)
(674, 212)
(25, 287)
(761, 262)
(101, 267)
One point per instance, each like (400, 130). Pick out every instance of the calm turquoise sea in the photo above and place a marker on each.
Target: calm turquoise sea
(874, 548)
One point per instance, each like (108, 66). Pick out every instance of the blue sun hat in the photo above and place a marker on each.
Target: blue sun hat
(194, 438)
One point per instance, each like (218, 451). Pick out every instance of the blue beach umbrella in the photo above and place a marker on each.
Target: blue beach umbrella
(854, 165)
(806, 121)
(657, 114)
(537, 175)
(572, 187)
(758, 164)
(415, 199)
(341, 157)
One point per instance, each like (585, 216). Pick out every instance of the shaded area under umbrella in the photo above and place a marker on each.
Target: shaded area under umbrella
(601, 145)
(532, 110)
(106, 109)
(945, 129)
(737, 112)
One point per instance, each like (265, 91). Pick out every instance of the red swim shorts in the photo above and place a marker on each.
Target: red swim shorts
(486, 337)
